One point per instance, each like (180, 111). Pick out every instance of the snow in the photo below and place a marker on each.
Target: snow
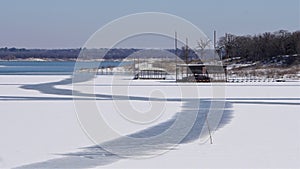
(38, 124)
(260, 139)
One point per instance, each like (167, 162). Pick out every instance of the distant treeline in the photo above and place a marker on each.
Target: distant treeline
(248, 48)
(261, 46)
(67, 54)
(61, 54)
(71, 54)
(14, 53)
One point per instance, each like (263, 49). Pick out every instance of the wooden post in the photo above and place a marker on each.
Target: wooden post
(210, 136)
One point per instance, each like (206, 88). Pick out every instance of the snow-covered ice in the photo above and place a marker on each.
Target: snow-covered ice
(260, 126)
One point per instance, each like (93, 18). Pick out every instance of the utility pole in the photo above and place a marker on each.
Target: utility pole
(215, 45)
(215, 39)
(176, 55)
(176, 46)
(186, 52)
(186, 57)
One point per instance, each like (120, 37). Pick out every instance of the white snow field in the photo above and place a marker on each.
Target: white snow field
(259, 128)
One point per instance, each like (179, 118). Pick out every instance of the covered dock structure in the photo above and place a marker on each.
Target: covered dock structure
(151, 74)
(201, 73)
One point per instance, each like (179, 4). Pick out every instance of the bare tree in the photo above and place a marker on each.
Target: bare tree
(202, 45)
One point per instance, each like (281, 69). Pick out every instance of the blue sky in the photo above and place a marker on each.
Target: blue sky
(68, 24)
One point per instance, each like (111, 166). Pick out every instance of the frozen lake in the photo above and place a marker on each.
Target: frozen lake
(258, 124)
